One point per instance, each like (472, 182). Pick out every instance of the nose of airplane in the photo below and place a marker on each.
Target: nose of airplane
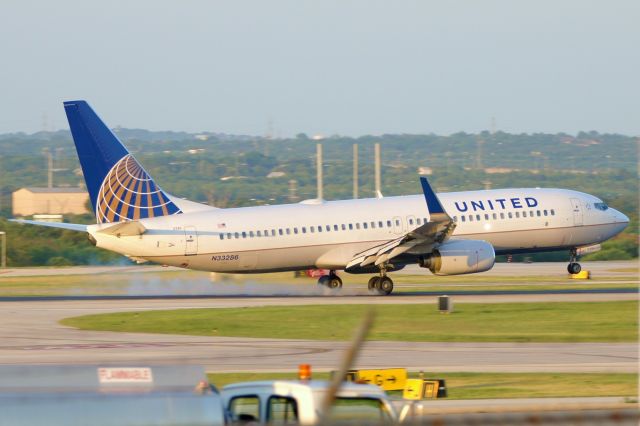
(620, 217)
(621, 221)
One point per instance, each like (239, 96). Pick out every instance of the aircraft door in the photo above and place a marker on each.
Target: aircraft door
(190, 241)
(577, 211)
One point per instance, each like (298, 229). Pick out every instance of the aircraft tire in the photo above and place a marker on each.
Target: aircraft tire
(334, 282)
(574, 268)
(385, 286)
(373, 283)
(324, 280)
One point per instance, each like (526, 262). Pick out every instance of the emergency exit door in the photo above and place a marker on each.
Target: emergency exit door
(190, 240)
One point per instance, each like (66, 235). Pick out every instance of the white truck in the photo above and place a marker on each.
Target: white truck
(280, 402)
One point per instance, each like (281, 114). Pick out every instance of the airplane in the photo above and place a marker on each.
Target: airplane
(447, 233)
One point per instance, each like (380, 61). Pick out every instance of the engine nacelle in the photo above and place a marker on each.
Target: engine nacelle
(460, 257)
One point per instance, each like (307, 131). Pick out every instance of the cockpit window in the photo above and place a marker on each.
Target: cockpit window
(601, 206)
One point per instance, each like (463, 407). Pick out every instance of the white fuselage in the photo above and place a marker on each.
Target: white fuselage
(328, 234)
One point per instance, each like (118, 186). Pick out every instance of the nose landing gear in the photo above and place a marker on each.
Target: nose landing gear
(574, 267)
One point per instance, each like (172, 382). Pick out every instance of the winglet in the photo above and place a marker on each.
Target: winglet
(433, 203)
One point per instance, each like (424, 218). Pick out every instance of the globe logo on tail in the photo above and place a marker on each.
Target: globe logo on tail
(129, 193)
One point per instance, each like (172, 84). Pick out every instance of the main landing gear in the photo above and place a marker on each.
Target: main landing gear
(574, 267)
(382, 284)
(330, 281)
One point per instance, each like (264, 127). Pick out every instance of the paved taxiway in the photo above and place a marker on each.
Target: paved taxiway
(30, 334)
(549, 269)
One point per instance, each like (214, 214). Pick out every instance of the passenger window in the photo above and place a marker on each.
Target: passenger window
(478, 217)
(470, 218)
(425, 220)
(280, 231)
(410, 221)
(501, 215)
(495, 216)
(237, 235)
(524, 214)
(365, 225)
(304, 229)
(380, 225)
(538, 213)
(486, 216)
(510, 215)
(222, 236)
(397, 222)
(388, 224)
(228, 235)
(282, 411)
(545, 213)
(273, 232)
(295, 230)
(259, 233)
(244, 235)
(245, 409)
(463, 218)
(344, 227)
(455, 218)
(418, 221)
(357, 226)
(335, 227)
(328, 228)
(288, 231)
(517, 214)
(553, 212)
(351, 227)
(373, 225)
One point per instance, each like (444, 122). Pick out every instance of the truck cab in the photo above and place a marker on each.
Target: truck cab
(289, 402)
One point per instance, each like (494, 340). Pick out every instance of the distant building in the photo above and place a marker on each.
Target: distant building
(30, 201)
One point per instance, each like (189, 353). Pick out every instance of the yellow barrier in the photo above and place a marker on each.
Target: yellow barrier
(582, 275)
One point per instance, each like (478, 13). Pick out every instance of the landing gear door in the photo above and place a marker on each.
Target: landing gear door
(190, 241)
(576, 207)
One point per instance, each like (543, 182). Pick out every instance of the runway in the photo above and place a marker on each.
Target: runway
(31, 334)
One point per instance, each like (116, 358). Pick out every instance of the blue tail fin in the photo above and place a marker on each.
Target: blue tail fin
(119, 188)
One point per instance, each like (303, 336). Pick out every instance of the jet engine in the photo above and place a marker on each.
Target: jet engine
(460, 257)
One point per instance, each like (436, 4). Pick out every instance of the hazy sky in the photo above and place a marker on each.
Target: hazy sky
(350, 67)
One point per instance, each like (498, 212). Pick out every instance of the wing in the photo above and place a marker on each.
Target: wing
(61, 225)
(437, 230)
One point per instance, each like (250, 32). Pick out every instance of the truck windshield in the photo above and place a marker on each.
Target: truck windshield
(367, 409)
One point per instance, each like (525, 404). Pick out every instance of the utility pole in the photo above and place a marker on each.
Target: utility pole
(319, 169)
(355, 171)
(49, 155)
(293, 190)
(480, 143)
(377, 170)
(3, 252)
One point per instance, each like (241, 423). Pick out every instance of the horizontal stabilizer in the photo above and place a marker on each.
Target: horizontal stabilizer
(67, 226)
(125, 229)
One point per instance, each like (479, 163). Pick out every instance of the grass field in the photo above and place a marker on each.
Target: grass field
(193, 282)
(493, 385)
(503, 322)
